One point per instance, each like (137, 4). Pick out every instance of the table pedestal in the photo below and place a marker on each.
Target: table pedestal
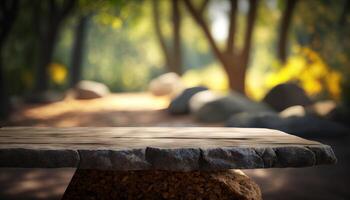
(98, 184)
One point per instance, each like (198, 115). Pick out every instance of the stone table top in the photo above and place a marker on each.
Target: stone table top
(142, 148)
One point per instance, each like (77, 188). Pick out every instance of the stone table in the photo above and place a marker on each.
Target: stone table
(192, 152)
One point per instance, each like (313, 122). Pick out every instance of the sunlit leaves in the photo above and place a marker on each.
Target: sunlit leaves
(109, 19)
(212, 76)
(309, 69)
(58, 73)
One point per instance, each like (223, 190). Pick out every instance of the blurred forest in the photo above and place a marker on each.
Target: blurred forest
(245, 45)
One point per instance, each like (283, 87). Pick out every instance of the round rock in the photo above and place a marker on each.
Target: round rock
(221, 109)
(90, 90)
(285, 95)
(94, 184)
(166, 84)
(180, 105)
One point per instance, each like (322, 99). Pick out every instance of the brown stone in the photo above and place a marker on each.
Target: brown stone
(95, 184)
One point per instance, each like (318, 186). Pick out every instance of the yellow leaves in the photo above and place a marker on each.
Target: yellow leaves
(109, 20)
(290, 71)
(58, 73)
(309, 69)
(311, 86)
(333, 81)
(116, 23)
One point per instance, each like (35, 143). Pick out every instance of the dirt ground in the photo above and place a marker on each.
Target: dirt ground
(142, 109)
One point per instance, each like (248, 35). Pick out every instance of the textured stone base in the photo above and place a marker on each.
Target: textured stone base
(96, 184)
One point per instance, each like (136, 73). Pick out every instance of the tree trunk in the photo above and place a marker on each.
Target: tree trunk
(47, 50)
(172, 55)
(156, 19)
(235, 63)
(284, 29)
(177, 57)
(4, 98)
(236, 72)
(8, 14)
(58, 11)
(78, 50)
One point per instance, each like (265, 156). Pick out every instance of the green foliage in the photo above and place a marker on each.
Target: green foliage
(324, 26)
(122, 51)
(21, 50)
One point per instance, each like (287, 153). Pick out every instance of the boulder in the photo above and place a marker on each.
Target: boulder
(322, 108)
(166, 84)
(202, 98)
(221, 109)
(285, 95)
(180, 104)
(293, 111)
(307, 126)
(340, 114)
(90, 90)
(95, 184)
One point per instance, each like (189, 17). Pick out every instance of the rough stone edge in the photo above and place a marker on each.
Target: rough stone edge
(129, 159)
(324, 155)
(270, 157)
(177, 159)
(181, 159)
(38, 158)
(230, 158)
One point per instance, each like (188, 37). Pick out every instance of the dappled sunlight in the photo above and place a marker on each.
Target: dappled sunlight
(58, 73)
(125, 109)
(125, 101)
(212, 76)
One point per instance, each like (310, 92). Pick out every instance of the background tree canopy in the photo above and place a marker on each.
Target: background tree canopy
(116, 42)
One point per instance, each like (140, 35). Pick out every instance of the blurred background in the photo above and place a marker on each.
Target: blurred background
(280, 64)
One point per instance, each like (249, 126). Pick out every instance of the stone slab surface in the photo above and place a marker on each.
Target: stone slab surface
(143, 148)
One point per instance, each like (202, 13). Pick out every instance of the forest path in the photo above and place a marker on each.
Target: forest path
(123, 109)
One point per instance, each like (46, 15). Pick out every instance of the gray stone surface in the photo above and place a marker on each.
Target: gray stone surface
(134, 159)
(221, 109)
(173, 159)
(143, 148)
(231, 158)
(201, 98)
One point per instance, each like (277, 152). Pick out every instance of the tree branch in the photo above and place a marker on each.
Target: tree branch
(203, 7)
(232, 28)
(249, 31)
(156, 17)
(284, 28)
(198, 18)
(177, 58)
